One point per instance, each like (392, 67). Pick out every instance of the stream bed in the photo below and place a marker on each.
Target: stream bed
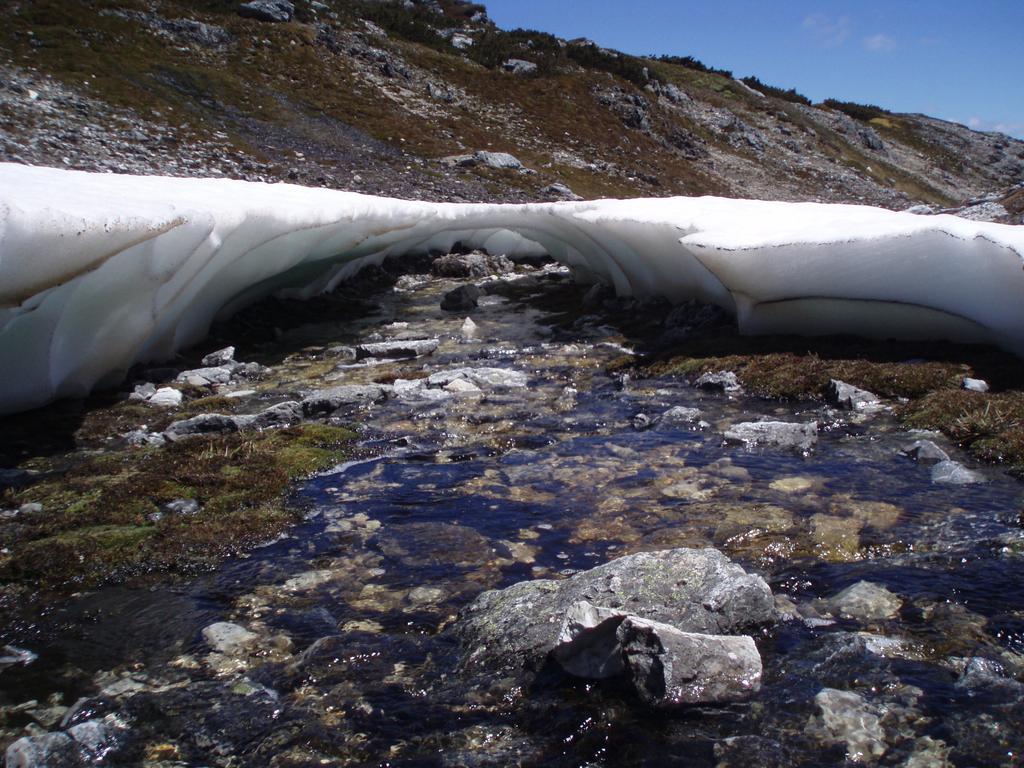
(330, 646)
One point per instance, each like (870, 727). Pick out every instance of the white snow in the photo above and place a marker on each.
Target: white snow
(100, 271)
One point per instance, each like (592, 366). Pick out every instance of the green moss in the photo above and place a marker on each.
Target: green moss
(102, 519)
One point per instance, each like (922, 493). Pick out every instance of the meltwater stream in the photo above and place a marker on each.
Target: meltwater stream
(332, 640)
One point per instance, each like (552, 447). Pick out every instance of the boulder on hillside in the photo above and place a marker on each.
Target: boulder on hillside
(267, 10)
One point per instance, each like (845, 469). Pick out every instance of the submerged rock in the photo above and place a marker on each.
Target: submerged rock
(779, 434)
(954, 473)
(845, 717)
(924, 452)
(866, 601)
(695, 590)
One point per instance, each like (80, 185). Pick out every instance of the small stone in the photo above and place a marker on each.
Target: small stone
(166, 397)
(227, 638)
(519, 67)
(182, 507)
(341, 351)
(461, 299)
(462, 387)
(142, 392)
(680, 415)
(843, 395)
(795, 484)
(30, 508)
(221, 357)
(468, 329)
(866, 601)
(974, 385)
(720, 381)
(560, 191)
(924, 452)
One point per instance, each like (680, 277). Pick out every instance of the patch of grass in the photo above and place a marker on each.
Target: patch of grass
(102, 519)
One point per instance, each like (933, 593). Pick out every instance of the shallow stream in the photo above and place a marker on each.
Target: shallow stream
(348, 661)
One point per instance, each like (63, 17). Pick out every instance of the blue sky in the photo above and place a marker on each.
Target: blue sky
(957, 60)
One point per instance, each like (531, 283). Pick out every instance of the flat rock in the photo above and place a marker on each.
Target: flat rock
(397, 349)
(924, 452)
(225, 637)
(485, 378)
(327, 401)
(695, 590)
(207, 424)
(779, 434)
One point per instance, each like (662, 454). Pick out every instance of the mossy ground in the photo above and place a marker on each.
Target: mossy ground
(925, 378)
(101, 520)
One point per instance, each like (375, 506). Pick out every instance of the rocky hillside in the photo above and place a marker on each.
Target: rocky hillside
(430, 100)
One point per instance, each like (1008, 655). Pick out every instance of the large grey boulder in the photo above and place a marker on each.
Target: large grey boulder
(694, 590)
(778, 434)
(267, 10)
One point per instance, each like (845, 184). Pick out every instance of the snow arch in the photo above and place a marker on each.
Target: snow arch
(98, 272)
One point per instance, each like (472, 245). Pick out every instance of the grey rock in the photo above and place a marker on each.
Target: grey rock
(141, 437)
(93, 737)
(721, 381)
(341, 351)
(954, 473)
(51, 750)
(846, 718)
(849, 397)
(644, 421)
(675, 94)
(397, 349)
(225, 637)
(11, 655)
(692, 589)
(166, 397)
(220, 357)
(473, 264)
(587, 645)
(780, 434)
(561, 191)
(207, 424)
(519, 67)
(865, 601)
(669, 667)
(184, 507)
(280, 415)
(924, 452)
(485, 378)
(498, 160)
(267, 10)
(974, 385)
(461, 299)
(206, 377)
(30, 508)
(142, 392)
(327, 401)
(679, 414)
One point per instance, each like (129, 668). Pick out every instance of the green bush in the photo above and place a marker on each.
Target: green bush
(691, 63)
(789, 94)
(863, 112)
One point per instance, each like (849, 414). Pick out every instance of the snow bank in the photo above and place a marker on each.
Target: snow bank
(98, 272)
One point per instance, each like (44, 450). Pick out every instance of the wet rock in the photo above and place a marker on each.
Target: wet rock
(587, 645)
(485, 378)
(779, 434)
(461, 299)
(11, 655)
(222, 357)
(679, 415)
(51, 750)
(865, 601)
(327, 401)
(644, 421)
(954, 473)
(846, 718)
(719, 381)
(924, 452)
(849, 397)
(166, 397)
(736, 752)
(473, 264)
(691, 589)
(207, 424)
(669, 667)
(267, 10)
(227, 638)
(974, 385)
(469, 328)
(397, 349)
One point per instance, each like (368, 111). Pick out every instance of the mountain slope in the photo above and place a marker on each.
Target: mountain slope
(374, 96)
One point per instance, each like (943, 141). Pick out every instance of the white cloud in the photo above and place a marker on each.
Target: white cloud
(1010, 128)
(879, 43)
(826, 31)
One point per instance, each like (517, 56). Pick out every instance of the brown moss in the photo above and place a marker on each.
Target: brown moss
(102, 518)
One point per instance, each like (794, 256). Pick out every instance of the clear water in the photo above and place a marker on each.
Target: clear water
(352, 664)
